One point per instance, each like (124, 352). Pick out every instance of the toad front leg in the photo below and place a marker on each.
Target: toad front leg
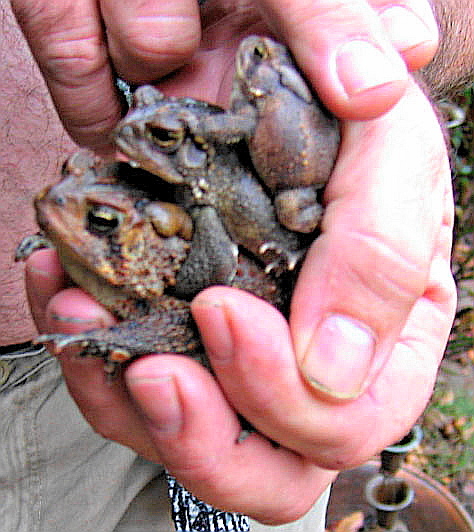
(168, 328)
(213, 256)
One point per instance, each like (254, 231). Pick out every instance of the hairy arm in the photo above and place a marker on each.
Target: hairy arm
(453, 65)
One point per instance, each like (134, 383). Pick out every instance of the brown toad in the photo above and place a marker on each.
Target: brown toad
(126, 248)
(172, 139)
(295, 140)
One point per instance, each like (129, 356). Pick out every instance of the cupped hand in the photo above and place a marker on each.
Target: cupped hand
(372, 309)
(171, 410)
(355, 53)
(349, 374)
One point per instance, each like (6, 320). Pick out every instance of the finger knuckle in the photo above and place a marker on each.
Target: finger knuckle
(341, 16)
(153, 41)
(386, 271)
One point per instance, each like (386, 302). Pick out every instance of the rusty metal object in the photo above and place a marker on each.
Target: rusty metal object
(388, 495)
(434, 509)
(392, 457)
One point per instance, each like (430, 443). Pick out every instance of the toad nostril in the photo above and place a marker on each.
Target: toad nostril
(59, 200)
(127, 132)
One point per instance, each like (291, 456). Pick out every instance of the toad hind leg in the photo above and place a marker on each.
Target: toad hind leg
(298, 209)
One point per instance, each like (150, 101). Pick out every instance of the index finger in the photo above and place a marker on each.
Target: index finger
(80, 45)
(68, 43)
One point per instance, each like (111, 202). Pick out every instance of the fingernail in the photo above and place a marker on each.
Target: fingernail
(339, 357)
(210, 314)
(74, 319)
(361, 66)
(46, 263)
(159, 401)
(405, 28)
(53, 276)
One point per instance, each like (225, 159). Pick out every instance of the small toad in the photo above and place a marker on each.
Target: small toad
(127, 248)
(295, 140)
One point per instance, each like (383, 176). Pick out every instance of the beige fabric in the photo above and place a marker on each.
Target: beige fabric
(56, 474)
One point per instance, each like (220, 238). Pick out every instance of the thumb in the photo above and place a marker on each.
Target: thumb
(387, 202)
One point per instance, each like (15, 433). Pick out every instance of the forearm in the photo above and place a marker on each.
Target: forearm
(453, 66)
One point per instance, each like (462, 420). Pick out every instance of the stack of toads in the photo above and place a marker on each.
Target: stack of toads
(211, 196)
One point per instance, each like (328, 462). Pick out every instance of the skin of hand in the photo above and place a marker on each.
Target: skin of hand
(355, 274)
(355, 53)
(346, 376)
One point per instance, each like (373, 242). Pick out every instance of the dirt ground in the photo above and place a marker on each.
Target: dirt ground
(447, 450)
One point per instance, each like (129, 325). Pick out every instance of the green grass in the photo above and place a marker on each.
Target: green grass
(462, 139)
(448, 424)
(447, 450)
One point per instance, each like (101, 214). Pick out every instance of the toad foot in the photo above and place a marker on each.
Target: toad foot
(290, 257)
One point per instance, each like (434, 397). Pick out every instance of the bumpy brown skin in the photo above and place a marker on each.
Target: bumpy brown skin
(125, 247)
(191, 143)
(295, 141)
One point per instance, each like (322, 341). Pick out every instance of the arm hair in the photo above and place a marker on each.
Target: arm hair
(452, 68)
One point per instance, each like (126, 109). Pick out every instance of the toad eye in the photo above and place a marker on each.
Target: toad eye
(166, 139)
(103, 220)
(260, 51)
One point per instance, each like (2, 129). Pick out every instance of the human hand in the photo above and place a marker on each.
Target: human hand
(331, 393)
(81, 44)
